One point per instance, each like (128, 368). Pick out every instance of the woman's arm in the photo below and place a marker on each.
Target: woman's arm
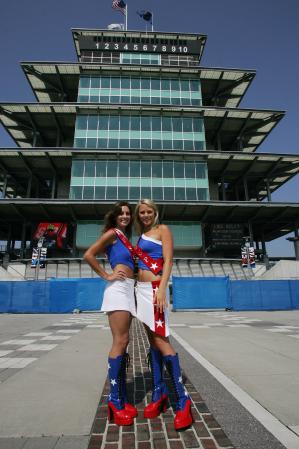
(97, 248)
(167, 248)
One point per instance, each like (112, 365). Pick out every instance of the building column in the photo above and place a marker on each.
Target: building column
(269, 197)
(265, 255)
(4, 185)
(295, 240)
(23, 241)
(245, 188)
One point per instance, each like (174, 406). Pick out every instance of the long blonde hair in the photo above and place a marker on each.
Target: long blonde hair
(137, 223)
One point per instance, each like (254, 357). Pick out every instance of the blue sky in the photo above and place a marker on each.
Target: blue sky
(256, 34)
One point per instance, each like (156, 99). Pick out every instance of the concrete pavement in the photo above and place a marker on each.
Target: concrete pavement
(242, 371)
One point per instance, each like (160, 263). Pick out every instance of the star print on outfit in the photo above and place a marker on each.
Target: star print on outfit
(147, 312)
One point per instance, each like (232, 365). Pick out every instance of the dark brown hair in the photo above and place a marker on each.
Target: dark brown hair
(111, 216)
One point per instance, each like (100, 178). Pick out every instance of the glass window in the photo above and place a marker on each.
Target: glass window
(179, 170)
(146, 144)
(187, 125)
(95, 82)
(111, 193)
(166, 123)
(168, 193)
(103, 122)
(177, 124)
(156, 169)
(200, 171)
(145, 169)
(89, 169)
(191, 194)
(185, 85)
(201, 194)
(124, 143)
(81, 122)
(145, 83)
(112, 169)
(91, 143)
(101, 169)
(156, 144)
(197, 125)
(135, 123)
(114, 122)
(134, 193)
(194, 85)
(99, 193)
(115, 82)
(76, 192)
(135, 169)
(113, 143)
(157, 193)
(105, 82)
(92, 122)
(125, 83)
(124, 122)
(77, 168)
(179, 193)
(156, 123)
(80, 143)
(175, 85)
(84, 81)
(88, 193)
(189, 170)
(123, 193)
(165, 84)
(188, 145)
(123, 169)
(146, 192)
(145, 124)
(135, 83)
(167, 169)
(155, 84)
(102, 143)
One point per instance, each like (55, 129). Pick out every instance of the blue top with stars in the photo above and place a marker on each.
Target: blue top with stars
(150, 246)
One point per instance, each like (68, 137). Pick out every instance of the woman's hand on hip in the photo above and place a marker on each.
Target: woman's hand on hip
(117, 275)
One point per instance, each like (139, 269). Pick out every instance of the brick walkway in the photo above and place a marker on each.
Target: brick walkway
(157, 433)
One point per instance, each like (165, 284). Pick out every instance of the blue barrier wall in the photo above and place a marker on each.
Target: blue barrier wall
(65, 295)
(52, 296)
(222, 293)
(200, 293)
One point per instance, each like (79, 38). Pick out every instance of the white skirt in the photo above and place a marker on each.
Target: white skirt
(158, 322)
(119, 295)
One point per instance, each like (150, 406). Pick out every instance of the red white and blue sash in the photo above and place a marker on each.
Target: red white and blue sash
(154, 265)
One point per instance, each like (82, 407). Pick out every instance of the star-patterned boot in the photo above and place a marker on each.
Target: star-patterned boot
(129, 407)
(183, 417)
(160, 393)
(116, 405)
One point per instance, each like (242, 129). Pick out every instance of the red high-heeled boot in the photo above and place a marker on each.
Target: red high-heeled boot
(183, 417)
(116, 407)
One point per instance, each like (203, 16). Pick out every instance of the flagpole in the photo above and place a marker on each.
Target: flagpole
(126, 21)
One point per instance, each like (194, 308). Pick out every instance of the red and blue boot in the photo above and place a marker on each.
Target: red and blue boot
(183, 417)
(129, 407)
(116, 405)
(159, 400)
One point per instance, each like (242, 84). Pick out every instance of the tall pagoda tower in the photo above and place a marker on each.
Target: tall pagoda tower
(139, 117)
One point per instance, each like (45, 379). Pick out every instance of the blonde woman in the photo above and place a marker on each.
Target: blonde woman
(155, 252)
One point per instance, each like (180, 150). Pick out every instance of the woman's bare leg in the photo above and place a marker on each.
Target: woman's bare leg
(119, 322)
(159, 342)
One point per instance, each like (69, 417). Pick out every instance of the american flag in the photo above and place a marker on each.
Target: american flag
(119, 5)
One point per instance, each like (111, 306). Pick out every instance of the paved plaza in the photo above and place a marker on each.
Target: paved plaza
(241, 371)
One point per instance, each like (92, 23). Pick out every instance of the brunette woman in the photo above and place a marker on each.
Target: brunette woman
(118, 302)
(155, 251)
